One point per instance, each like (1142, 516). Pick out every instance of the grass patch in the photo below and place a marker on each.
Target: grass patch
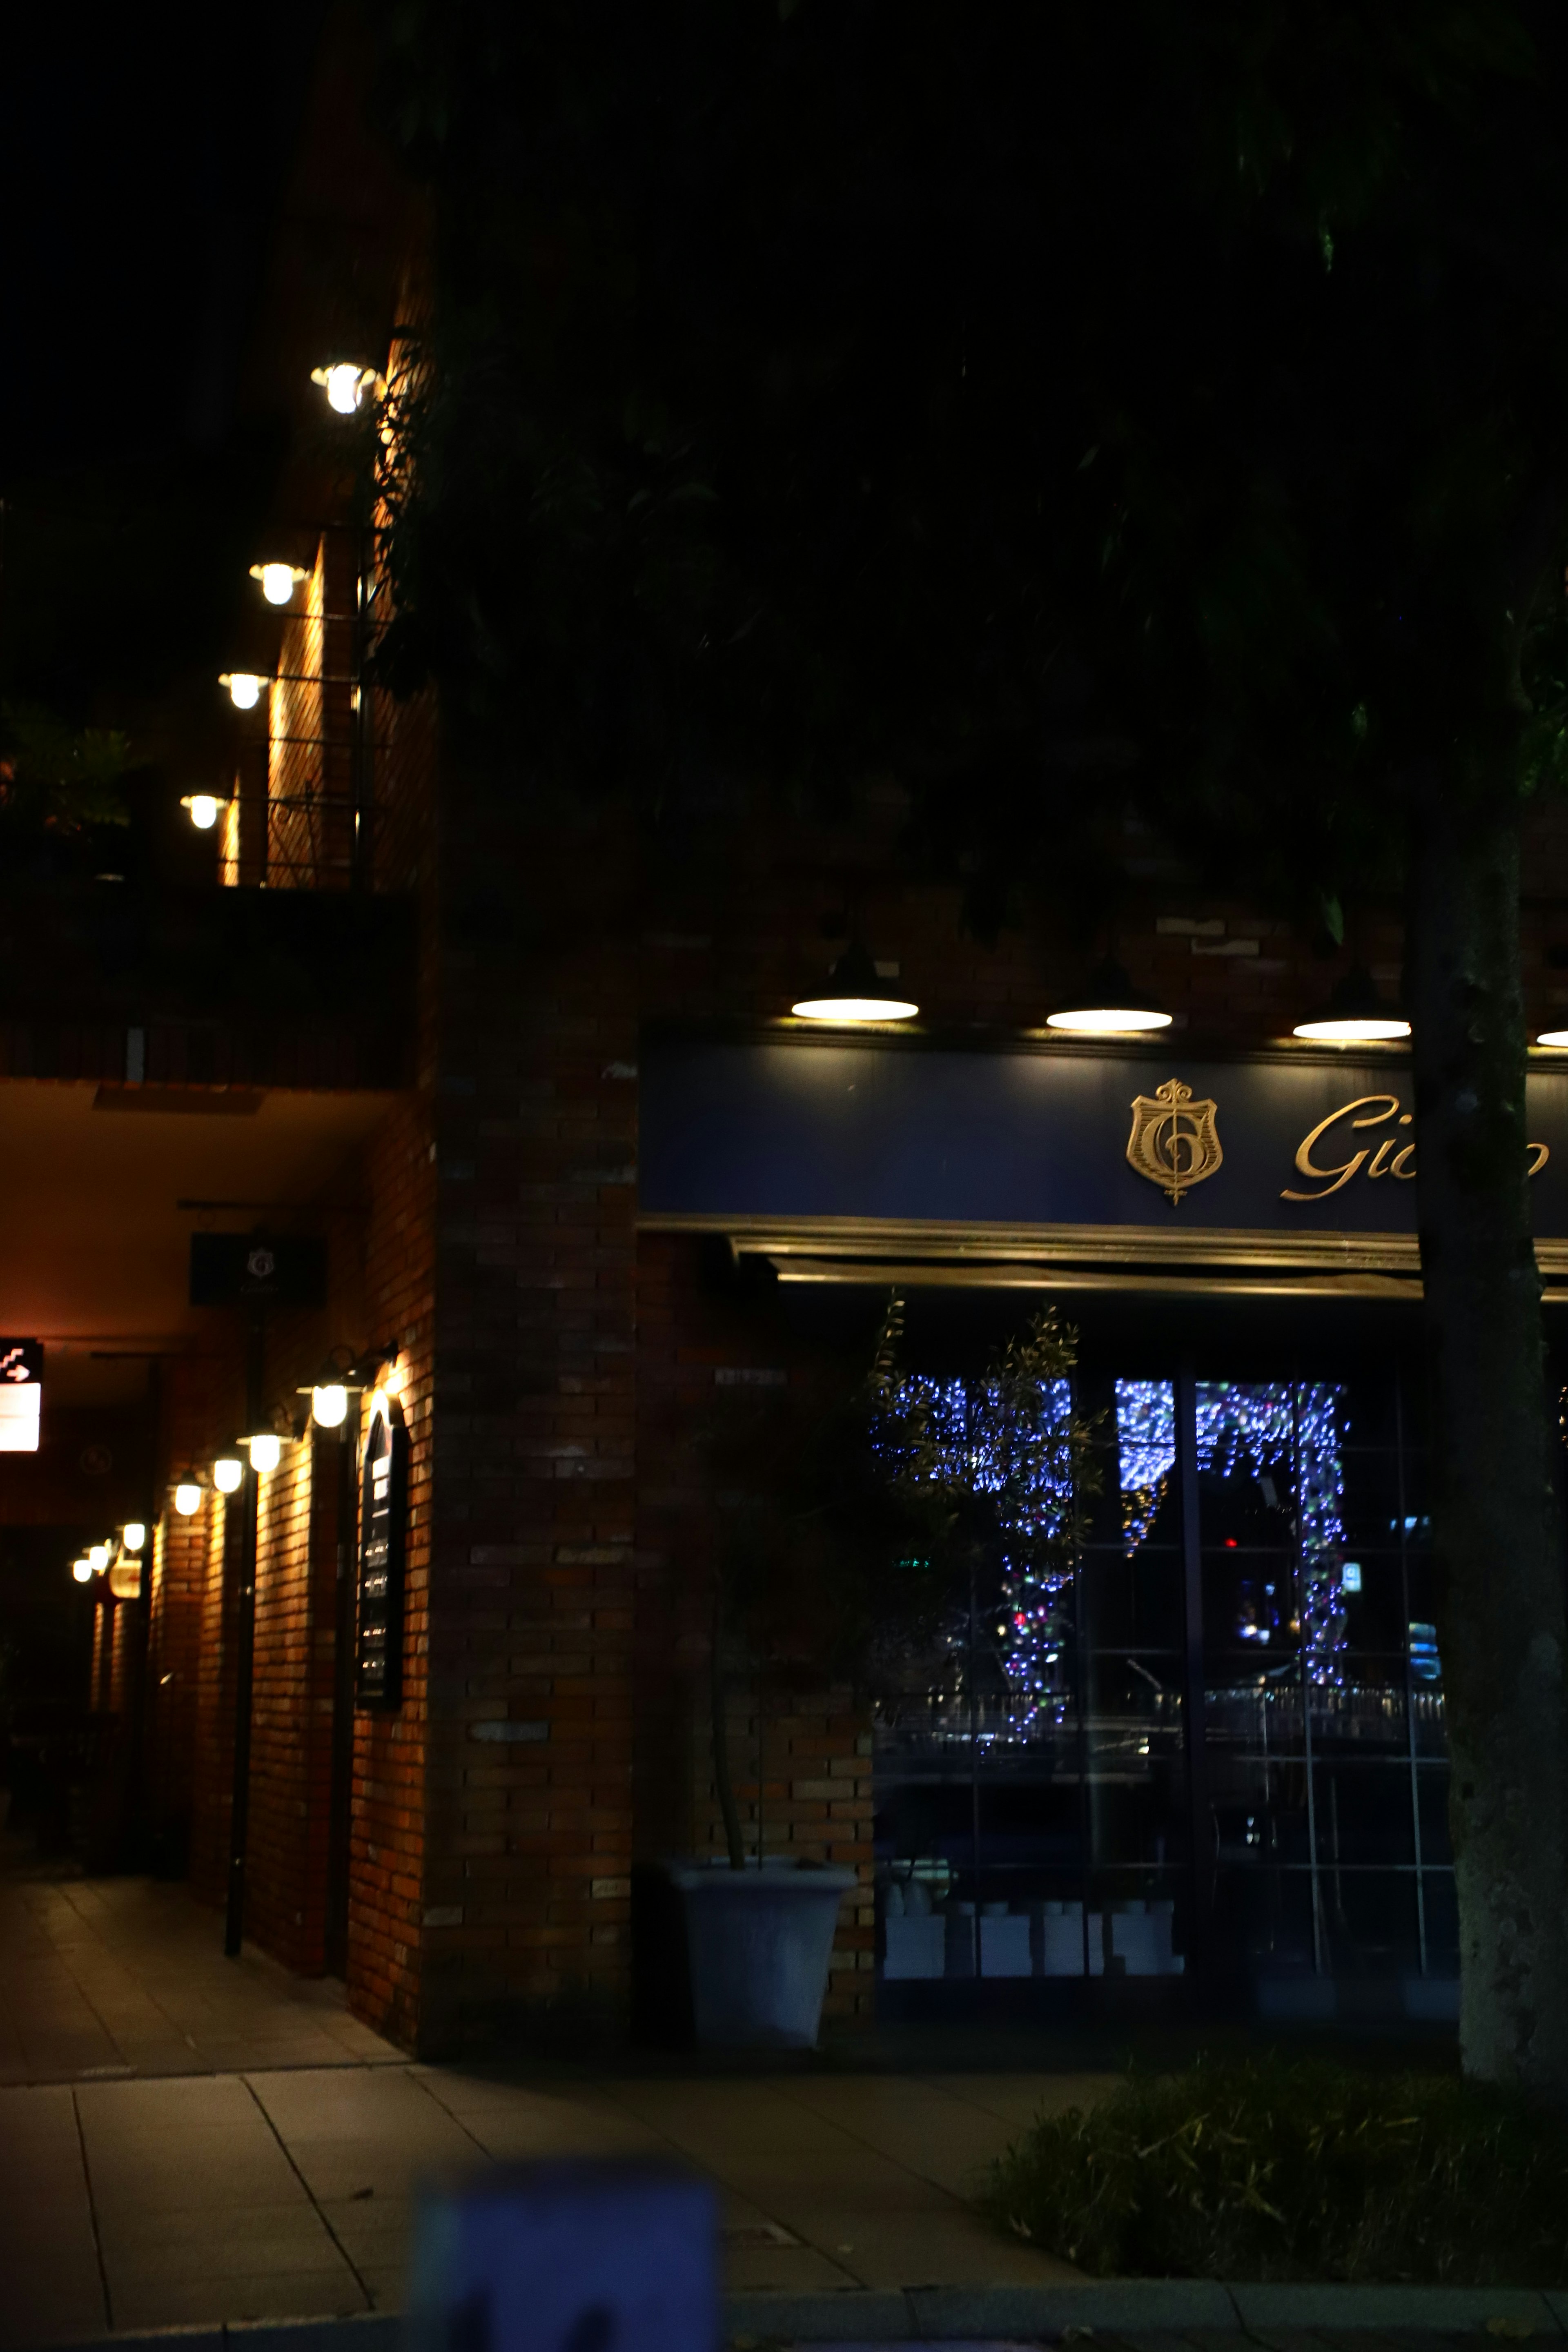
(1280, 2169)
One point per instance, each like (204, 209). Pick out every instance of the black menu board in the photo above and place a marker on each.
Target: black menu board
(382, 1516)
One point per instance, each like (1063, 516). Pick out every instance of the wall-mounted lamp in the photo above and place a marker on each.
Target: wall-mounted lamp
(1108, 1006)
(855, 994)
(244, 687)
(188, 1498)
(133, 1535)
(82, 1570)
(265, 1449)
(205, 808)
(278, 581)
(345, 383)
(99, 1556)
(1356, 1014)
(330, 1405)
(227, 1472)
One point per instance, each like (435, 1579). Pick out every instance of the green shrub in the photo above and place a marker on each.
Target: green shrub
(1271, 2170)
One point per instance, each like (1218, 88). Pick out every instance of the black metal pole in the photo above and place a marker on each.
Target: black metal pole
(244, 1651)
(1200, 1831)
(341, 1802)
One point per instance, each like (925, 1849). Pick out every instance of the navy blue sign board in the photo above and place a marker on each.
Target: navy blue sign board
(571, 2257)
(258, 1270)
(869, 1131)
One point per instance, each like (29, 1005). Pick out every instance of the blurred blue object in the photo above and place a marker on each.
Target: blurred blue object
(566, 2257)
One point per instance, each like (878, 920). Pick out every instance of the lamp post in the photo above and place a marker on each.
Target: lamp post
(244, 1645)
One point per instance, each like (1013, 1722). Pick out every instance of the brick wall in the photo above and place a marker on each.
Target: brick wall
(714, 1362)
(290, 1769)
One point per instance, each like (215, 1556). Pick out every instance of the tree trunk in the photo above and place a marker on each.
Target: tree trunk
(1498, 1523)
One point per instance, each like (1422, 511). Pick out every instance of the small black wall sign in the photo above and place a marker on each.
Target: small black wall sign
(382, 1523)
(258, 1269)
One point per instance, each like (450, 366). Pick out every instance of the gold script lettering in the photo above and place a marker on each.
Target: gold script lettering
(1306, 1165)
(1378, 1108)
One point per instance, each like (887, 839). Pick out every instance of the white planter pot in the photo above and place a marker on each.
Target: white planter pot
(759, 1941)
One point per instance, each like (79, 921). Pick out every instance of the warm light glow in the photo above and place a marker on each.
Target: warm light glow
(82, 1570)
(204, 808)
(188, 1498)
(227, 1472)
(345, 384)
(849, 1009)
(133, 1534)
(330, 1405)
(278, 581)
(266, 1451)
(1108, 1019)
(1355, 1029)
(1555, 1040)
(243, 688)
(396, 1379)
(99, 1555)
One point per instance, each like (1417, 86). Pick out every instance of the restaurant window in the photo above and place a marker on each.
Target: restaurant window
(1256, 1565)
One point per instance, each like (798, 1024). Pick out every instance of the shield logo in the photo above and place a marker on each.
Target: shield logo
(1175, 1142)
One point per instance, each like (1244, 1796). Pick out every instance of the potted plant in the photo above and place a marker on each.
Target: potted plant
(851, 1537)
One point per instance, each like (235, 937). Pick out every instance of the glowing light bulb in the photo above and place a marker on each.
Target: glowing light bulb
(278, 581)
(243, 688)
(266, 1451)
(82, 1570)
(345, 384)
(188, 1498)
(204, 808)
(227, 1472)
(99, 1555)
(330, 1405)
(133, 1535)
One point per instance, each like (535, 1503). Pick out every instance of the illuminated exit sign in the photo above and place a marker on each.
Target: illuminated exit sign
(21, 1392)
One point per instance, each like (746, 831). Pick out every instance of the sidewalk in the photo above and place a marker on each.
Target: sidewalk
(187, 2141)
(287, 2192)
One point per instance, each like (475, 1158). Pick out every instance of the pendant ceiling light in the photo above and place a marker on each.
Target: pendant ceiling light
(1108, 1006)
(1356, 1015)
(854, 992)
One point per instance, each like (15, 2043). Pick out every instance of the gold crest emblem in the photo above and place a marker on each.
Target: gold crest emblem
(1175, 1142)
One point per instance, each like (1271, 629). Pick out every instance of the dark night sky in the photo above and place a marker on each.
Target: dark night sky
(139, 174)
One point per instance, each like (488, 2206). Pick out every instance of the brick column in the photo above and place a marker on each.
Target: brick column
(526, 1889)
